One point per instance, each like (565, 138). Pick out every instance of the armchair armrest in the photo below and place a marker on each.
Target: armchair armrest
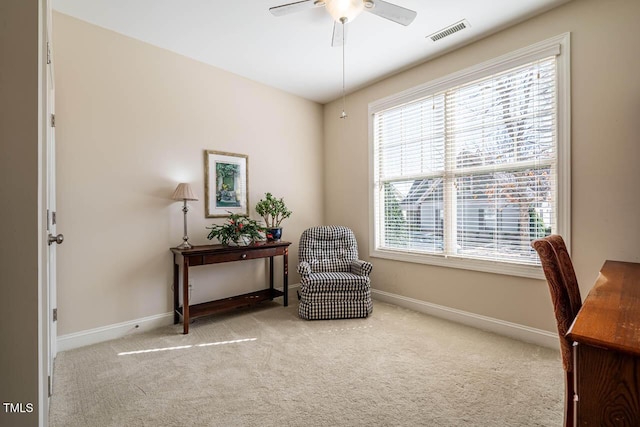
(361, 268)
(304, 269)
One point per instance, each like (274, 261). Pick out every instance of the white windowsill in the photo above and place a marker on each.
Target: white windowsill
(496, 267)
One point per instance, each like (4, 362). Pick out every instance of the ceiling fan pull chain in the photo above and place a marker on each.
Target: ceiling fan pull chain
(344, 102)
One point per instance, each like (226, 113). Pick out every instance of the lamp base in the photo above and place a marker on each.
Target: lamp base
(185, 245)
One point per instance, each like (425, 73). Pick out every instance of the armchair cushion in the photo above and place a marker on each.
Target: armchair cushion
(330, 248)
(335, 281)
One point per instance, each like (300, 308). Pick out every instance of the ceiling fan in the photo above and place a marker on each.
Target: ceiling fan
(343, 11)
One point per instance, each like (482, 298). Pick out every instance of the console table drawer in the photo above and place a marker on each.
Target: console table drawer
(238, 256)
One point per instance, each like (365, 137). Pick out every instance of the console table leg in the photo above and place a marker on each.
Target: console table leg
(185, 295)
(271, 275)
(285, 277)
(176, 291)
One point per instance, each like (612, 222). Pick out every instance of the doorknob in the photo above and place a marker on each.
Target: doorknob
(56, 239)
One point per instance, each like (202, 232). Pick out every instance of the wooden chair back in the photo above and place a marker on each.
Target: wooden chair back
(565, 295)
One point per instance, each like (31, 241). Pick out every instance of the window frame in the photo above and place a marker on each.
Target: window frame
(558, 46)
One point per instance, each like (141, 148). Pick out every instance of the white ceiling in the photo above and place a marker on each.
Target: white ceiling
(294, 52)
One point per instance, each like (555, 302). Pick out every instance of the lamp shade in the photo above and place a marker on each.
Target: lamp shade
(184, 192)
(348, 9)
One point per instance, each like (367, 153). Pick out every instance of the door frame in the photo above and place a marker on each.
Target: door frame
(46, 295)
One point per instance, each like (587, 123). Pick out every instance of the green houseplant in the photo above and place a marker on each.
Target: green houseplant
(273, 211)
(238, 230)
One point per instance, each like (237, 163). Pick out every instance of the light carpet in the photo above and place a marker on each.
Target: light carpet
(264, 366)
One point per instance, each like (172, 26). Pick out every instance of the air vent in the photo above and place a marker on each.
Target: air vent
(458, 26)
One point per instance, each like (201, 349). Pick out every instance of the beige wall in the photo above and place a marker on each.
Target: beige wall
(605, 87)
(19, 124)
(133, 120)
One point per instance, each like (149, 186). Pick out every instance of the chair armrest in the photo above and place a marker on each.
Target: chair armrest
(304, 269)
(361, 268)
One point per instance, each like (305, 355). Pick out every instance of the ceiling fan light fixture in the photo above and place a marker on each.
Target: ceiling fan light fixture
(344, 10)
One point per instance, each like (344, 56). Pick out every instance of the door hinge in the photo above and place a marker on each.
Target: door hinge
(48, 53)
(50, 389)
(55, 314)
(53, 120)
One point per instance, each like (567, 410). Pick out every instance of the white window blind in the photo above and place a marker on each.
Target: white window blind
(470, 171)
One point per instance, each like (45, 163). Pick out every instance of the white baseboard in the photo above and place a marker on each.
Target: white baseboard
(110, 332)
(512, 330)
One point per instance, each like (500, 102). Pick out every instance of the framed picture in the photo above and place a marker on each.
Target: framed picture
(226, 188)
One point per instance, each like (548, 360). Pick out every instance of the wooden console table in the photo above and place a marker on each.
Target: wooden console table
(607, 353)
(214, 254)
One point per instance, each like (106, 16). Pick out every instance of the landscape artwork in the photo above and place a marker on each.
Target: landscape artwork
(225, 184)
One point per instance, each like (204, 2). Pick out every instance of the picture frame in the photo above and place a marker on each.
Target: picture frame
(226, 184)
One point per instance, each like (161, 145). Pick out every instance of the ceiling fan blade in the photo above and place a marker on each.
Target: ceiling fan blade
(338, 39)
(392, 12)
(298, 6)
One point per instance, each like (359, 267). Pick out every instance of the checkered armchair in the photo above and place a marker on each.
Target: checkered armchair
(334, 283)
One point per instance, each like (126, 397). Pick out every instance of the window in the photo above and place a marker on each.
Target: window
(468, 170)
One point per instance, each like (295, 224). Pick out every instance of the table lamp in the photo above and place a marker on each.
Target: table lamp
(184, 192)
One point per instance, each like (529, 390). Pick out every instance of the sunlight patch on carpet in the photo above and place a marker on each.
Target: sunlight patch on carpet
(184, 347)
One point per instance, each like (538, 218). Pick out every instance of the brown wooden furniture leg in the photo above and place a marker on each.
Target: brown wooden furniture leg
(185, 295)
(271, 275)
(285, 276)
(176, 291)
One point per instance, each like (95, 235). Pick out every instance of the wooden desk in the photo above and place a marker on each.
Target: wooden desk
(607, 333)
(214, 254)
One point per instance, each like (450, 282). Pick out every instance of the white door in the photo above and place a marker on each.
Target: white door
(53, 238)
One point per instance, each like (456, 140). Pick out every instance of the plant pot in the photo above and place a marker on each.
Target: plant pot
(242, 241)
(274, 234)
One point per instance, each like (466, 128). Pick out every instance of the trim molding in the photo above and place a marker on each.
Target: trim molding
(110, 332)
(512, 330)
(501, 327)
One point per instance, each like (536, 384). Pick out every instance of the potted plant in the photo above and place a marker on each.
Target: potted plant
(273, 211)
(238, 230)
